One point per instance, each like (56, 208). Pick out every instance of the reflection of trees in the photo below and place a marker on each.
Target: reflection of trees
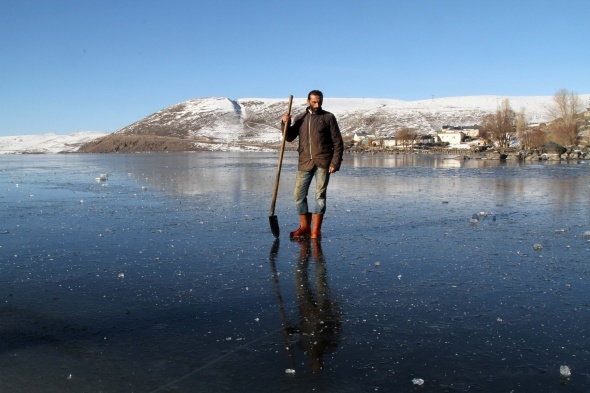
(566, 193)
(558, 195)
(319, 324)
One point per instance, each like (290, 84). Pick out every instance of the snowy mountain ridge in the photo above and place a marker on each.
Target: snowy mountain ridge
(220, 123)
(257, 119)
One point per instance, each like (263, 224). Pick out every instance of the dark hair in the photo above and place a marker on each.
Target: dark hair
(315, 93)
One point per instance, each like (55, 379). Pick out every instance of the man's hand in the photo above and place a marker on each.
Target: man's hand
(286, 118)
(331, 169)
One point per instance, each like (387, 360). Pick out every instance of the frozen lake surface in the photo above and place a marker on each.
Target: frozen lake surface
(165, 277)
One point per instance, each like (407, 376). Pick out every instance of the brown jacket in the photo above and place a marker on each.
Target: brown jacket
(320, 141)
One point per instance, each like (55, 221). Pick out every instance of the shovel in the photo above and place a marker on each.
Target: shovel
(274, 221)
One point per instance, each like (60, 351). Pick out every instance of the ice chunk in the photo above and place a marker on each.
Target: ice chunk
(474, 219)
(290, 371)
(418, 381)
(565, 371)
(537, 247)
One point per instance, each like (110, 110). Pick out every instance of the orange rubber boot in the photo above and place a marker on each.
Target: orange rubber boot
(316, 232)
(304, 226)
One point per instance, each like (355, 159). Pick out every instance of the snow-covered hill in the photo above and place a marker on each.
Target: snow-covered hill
(246, 123)
(47, 143)
(257, 119)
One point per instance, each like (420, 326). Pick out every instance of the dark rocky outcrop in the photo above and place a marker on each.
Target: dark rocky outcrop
(552, 151)
(553, 148)
(115, 143)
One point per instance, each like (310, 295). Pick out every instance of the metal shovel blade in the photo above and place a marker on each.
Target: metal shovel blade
(274, 225)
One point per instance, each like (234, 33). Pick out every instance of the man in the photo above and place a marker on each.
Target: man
(320, 154)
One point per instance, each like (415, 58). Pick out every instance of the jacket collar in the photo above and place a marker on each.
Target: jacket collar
(319, 112)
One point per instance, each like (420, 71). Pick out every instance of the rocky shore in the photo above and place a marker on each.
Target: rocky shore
(115, 143)
(549, 152)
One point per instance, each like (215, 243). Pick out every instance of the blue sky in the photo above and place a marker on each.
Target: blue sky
(79, 65)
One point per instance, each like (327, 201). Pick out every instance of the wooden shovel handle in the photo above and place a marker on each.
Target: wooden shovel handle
(276, 190)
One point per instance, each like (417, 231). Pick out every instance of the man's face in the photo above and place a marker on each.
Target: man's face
(315, 103)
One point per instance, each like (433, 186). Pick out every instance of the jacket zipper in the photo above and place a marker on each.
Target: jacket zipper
(309, 136)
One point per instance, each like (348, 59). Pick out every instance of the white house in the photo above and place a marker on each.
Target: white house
(452, 137)
(389, 142)
(471, 131)
(359, 136)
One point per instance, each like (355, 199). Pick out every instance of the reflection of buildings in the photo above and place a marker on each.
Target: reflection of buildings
(319, 323)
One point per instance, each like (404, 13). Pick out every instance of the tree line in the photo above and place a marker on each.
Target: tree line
(505, 125)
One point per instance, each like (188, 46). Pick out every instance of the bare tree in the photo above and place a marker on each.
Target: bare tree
(501, 126)
(406, 136)
(538, 138)
(483, 134)
(565, 128)
(523, 132)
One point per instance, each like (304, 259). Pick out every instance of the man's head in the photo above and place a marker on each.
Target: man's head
(314, 100)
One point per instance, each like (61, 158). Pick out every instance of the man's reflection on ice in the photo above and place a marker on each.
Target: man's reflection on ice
(319, 324)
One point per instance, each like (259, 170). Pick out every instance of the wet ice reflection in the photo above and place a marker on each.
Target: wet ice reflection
(164, 276)
(315, 330)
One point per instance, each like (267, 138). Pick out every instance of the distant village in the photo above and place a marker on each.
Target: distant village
(534, 141)
(449, 135)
